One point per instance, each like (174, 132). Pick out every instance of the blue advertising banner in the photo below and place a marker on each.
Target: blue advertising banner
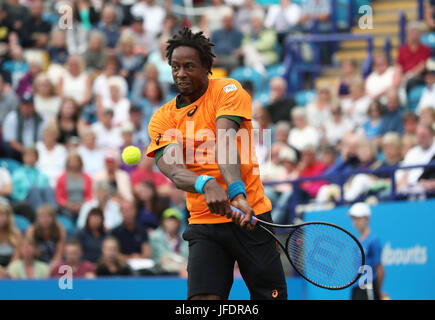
(149, 288)
(407, 234)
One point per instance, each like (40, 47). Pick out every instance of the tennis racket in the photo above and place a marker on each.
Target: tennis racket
(324, 254)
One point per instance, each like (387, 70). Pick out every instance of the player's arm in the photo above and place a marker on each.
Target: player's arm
(226, 129)
(186, 180)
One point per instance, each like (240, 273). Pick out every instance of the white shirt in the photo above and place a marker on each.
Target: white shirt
(416, 156)
(93, 160)
(356, 110)
(334, 132)
(112, 214)
(301, 138)
(153, 16)
(120, 110)
(316, 117)
(47, 108)
(75, 87)
(281, 20)
(427, 99)
(377, 83)
(101, 87)
(51, 162)
(107, 138)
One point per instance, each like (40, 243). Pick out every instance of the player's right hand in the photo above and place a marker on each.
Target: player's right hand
(216, 198)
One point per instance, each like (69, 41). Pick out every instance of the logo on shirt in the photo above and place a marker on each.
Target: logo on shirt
(192, 111)
(230, 87)
(157, 139)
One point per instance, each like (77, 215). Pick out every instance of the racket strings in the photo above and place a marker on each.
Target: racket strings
(325, 255)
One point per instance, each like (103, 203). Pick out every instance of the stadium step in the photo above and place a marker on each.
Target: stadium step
(359, 55)
(394, 5)
(362, 45)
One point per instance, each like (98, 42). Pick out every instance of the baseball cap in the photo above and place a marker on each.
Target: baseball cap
(172, 213)
(359, 210)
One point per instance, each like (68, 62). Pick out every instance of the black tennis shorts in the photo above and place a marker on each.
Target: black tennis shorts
(213, 250)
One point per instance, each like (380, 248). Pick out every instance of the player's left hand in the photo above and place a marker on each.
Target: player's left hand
(243, 221)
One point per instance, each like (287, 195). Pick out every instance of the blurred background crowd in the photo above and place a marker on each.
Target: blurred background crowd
(72, 99)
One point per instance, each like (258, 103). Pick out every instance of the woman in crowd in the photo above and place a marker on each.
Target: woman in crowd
(319, 111)
(68, 121)
(75, 82)
(47, 103)
(10, 237)
(48, 234)
(74, 187)
(52, 155)
(28, 266)
(92, 235)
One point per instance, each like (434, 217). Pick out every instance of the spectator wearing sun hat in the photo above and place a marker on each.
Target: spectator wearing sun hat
(360, 214)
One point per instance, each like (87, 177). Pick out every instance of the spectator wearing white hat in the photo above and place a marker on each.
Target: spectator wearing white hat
(360, 214)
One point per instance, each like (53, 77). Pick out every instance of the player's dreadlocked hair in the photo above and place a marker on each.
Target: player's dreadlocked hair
(185, 37)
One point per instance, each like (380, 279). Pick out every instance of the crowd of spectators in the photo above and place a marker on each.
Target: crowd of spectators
(72, 99)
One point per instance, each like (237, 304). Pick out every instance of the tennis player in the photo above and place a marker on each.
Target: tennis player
(215, 111)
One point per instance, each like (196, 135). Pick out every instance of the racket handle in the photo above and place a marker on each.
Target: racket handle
(254, 220)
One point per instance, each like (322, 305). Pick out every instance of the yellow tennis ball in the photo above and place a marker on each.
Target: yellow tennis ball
(131, 155)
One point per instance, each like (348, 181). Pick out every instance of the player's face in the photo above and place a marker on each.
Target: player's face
(189, 74)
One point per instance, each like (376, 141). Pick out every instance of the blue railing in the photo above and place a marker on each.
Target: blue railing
(341, 179)
(293, 54)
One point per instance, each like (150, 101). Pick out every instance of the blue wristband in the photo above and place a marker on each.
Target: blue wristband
(200, 182)
(235, 189)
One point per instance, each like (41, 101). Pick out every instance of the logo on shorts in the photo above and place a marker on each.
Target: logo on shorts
(274, 294)
(158, 137)
(192, 111)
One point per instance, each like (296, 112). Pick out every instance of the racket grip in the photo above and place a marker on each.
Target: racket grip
(254, 220)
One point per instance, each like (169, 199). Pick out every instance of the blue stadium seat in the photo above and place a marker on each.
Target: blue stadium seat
(414, 96)
(263, 96)
(22, 223)
(304, 97)
(276, 70)
(246, 73)
(267, 2)
(9, 164)
(66, 223)
(429, 39)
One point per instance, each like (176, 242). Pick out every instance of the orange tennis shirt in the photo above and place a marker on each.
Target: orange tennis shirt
(194, 126)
